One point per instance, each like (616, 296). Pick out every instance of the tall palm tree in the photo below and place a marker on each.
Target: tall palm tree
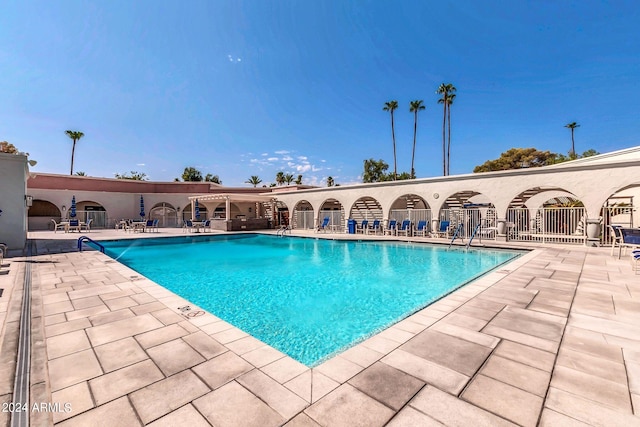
(445, 90)
(450, 99)
(572, 126)
(75, 135)
(280, 178)
(414, 107)
(391, 106)
(254, 180)
(330, 182)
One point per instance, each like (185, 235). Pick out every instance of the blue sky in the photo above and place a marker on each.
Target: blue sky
(241, 88)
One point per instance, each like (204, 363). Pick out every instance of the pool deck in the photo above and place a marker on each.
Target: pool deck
(549, 339)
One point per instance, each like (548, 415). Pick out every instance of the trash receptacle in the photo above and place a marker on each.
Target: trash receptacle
(351, 226)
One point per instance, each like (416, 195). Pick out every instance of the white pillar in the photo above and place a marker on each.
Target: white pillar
(228, 207)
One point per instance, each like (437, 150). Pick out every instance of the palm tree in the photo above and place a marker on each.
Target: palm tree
(288, 178)
(299, 180)
(391, 106)
(414, 107)
(450, 99)
(280, 178)
(445, 90)
(572, 126)
(254, 180)
(330, 182)
(75, 135)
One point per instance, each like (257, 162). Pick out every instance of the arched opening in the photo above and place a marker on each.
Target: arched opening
(302, 217)
(40, 215)
(366, 208)
(87, 210)
(165, 213)
(620, 210)
(468, 213)
(332, 209)
(411, 207)
(546, 214)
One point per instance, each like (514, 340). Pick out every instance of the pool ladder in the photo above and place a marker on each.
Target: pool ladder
(282, 231)
(85, 239)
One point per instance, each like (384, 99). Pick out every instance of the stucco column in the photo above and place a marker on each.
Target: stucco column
(227, 206)
(193, 210)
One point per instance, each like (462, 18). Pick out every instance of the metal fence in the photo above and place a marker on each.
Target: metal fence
(336, 219)
(464, 221)
(303, 220)
(413, 215)
(552, 225)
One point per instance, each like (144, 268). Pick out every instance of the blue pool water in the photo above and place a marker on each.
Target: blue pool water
(309, 298)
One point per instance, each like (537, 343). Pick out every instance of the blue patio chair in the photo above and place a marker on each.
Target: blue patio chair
(392, 227)
(421, 229)
(375, 227)
(74, 224)
(154, 226)
(206, 224)
(616, 235)
(188, 225)
(630, 238)
(443, 231)
(325, 225)
(363, 227)
(405, 228)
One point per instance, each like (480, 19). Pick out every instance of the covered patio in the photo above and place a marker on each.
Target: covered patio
(237, 212)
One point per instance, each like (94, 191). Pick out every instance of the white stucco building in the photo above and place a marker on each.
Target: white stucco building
(14, 171)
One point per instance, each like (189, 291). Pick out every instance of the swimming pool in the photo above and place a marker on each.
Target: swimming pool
(309, 298)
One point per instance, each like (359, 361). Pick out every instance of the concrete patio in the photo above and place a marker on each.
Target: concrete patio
(548, 339)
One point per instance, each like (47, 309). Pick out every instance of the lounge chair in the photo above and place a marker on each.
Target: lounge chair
(405, 228)
(392, 227)
(363, 227)
(325, 225)
(443, 231)
(616, 235)
(58, 225)
(630, 239)
(375, 227)
(421, 229)
(635, 259)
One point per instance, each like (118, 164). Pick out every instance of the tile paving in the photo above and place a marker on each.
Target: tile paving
(549, 339)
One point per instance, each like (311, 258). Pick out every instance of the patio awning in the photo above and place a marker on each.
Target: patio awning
(232, 197)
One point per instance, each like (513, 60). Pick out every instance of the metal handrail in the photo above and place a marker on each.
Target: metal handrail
(455, 235)
(475, 230)
(89, 239)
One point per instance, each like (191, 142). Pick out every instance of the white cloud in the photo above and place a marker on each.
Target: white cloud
(265, 154)
(287, 158)
(303, 158)
(272, 159)
(282, 152)
(140, 164)
(303, 168)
